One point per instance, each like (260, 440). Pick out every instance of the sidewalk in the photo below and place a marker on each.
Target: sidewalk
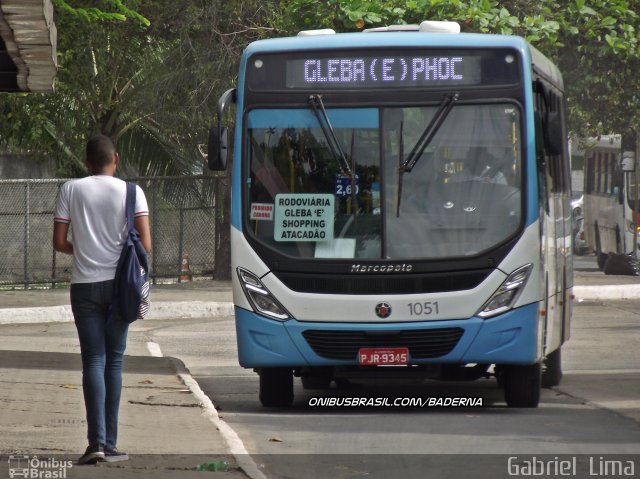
(195, 299)
(165, 427)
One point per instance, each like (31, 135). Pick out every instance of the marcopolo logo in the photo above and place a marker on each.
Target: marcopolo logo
(36, 468)
(381, 268)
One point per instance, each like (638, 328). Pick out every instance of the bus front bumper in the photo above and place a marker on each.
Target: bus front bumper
(510, 338)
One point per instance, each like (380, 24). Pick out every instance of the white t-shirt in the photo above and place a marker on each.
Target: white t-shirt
(95, 208)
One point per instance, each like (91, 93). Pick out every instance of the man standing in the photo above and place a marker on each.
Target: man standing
(95, 207)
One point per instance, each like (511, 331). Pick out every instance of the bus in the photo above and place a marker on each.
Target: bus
(400, 208)
(608, 205)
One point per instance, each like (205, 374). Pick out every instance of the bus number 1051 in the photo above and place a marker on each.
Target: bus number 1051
(425, 308)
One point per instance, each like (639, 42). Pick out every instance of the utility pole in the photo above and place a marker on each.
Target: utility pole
(630, 155)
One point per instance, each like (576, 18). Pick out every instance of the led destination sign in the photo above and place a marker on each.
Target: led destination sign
(398, 69)
(383, 72)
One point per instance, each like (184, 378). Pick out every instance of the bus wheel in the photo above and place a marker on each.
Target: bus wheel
(552, 369)
(522, 385)
(276, 387)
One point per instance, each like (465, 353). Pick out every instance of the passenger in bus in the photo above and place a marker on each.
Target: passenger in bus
(493, 175)
(499, 167)
(472, 168)
(481, 165)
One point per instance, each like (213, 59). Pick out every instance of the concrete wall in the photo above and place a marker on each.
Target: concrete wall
(24, 167)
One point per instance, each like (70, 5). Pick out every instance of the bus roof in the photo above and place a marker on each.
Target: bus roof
(372, 40)
(385, 39)
(546, 68)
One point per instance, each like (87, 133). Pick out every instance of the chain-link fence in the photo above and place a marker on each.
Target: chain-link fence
(185, 216)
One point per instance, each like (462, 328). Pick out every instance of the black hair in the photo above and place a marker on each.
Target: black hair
(100, 151)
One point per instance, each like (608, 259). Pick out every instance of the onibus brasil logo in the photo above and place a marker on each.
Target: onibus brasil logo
(36, 468)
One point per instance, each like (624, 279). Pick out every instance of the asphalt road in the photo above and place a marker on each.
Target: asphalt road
(592, 416)
(594, 413)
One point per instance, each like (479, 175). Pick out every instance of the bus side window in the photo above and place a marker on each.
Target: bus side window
(541, 167)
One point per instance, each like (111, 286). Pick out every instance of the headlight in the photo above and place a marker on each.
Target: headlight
(259, 296)
(507, 294)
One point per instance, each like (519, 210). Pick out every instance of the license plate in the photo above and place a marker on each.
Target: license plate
(383, 356)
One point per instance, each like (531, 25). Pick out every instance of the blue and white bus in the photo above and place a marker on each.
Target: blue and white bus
(610, 221)
(400, 207)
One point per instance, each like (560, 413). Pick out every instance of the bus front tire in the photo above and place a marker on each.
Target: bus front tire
(276, 387)
(552, 369)
(522, 385)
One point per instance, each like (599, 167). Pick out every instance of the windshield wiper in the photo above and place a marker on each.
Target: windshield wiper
(427, 135)
(430, 131)
(329, 133)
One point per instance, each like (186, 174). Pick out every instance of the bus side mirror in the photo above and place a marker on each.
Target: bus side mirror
(218, 151)
(218, 148)
(553, 138)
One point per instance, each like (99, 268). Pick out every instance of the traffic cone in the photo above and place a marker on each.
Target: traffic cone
(185, 271)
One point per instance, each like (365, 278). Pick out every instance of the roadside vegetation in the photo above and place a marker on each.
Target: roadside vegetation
(149, 72)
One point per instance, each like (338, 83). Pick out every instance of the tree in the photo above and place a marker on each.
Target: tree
(99, 65)
(600, 60)
(595, 44)
(147, 74)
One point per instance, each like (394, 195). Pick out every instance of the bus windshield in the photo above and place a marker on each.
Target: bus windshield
(462, 196)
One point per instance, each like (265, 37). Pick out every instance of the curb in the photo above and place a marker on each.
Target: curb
(159, 310)
(610, 292)
(208, 309)
(232, 440)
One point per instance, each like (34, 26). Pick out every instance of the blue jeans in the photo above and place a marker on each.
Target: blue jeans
(102, 345)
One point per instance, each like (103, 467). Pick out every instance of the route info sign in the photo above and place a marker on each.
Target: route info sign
(304, 217)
